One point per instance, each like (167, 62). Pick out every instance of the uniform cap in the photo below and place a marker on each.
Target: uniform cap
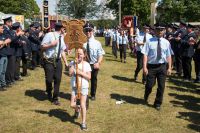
(15, 25)
(36, 25)
(7, 18)
(175, 26)
(88, 26)
(183, 23)
(58, 25)
(190, 26)
(159, 26)
(146, 26)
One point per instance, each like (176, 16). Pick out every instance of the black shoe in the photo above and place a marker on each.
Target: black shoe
(144, 82)
(196, 81)
(135, 78)
(84, 127)
(146, 99)
(56, 102)
(19, 79)
(49, 97)
(93, 98)
(157, 107)
(8, 85)
(124, 61)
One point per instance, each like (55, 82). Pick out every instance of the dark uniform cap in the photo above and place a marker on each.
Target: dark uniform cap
(16, 25)
(5, 19)
(190, 26)
(146, 26)
(36, 25)
(31, 25)
(88, 26)
(183, 23)
(175, 26)
(159, 26)
(170, 25)
(58, 25)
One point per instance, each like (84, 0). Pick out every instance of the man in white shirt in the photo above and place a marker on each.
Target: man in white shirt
(53, 46)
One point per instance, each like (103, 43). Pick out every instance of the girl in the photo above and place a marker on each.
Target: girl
(84, 75)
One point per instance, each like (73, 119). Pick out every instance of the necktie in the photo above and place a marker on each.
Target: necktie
(158, 50)
(58, 55)
(122, 40)
(88, 51)
(144, 40)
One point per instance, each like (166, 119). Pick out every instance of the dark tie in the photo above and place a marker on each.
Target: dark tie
(58, 55)
(122, 40)
(158, 50)
(88, 51)
(144, 40)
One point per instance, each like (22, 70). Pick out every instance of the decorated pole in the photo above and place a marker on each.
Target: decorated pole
(75, 38)
(45, 15)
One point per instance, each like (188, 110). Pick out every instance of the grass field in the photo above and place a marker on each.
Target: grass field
(24, 108)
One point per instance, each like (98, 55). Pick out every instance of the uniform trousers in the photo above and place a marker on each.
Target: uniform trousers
(197, 68)
(122, 50)
(53, 74)
(17, 68)
(3, 66)
(34, 59)
(187, 67)
(114, 48)
(107, 41)
(10, 70)
(156, 71)
(178, 63)
(93, 80)
(24, 66)
(139, 65)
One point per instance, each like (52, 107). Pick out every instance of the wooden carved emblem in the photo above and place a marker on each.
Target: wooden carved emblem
(75, 38)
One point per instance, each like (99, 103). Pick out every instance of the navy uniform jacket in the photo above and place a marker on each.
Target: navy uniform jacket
(197, 52)
(12, 35)
(19, 47)
(3, 50)
(177, 44)
(35, 41)
(186, 49)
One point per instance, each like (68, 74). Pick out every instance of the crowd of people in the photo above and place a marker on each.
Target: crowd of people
(18, 47)
(159, 49)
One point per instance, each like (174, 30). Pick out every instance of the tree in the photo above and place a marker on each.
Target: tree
(79, 9)
(140, 8)
(28, 8)
(176, 10)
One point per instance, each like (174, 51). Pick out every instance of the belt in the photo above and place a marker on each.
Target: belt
(156, 65)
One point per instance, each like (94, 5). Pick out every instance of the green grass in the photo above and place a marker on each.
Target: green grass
(24, 108)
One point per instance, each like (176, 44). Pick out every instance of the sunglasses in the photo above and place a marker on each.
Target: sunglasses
(88, 30)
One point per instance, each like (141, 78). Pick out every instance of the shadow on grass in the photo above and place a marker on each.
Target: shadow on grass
(192, 117)
(65, 95)
(128, 99)
(38, 94)
(188, 85)
(186, 101)
(113, 60)
(60, 114)
(182, 89)
(122, 78)
(190, 103)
